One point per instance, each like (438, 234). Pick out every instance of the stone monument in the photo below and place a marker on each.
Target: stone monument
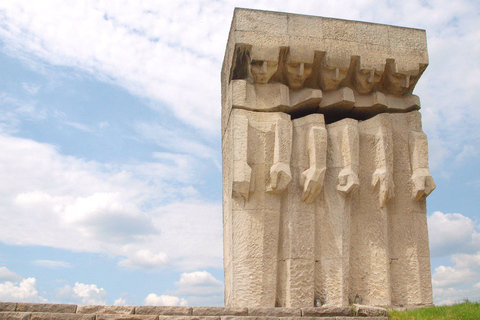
(325, 164)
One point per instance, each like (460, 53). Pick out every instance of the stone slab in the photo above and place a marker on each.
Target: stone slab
(46, 307)
(327, 311)
(8, 306)
(219, 311)
(368, 311)
(189, 317)
(15, 315)
(61, 316)
(164, 310)
(275, 312)
(125, 317)
(106, 309)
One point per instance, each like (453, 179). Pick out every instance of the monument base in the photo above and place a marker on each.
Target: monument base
(35, 311)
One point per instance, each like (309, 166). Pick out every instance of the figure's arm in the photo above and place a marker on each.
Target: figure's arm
(348, 177)
(383, 175)
(241, 170)
(313, 177)
(423, 183)
(280, 175)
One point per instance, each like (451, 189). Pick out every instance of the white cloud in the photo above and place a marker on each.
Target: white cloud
(452, 233)
(31, 88)
(164, 300)
(144, 259)
(449, 276)
(197, 278)
(83, 294)
(7, 275)
(120, 302)
(200, 288)
(52, 264)
(16, 289)
(60, 201)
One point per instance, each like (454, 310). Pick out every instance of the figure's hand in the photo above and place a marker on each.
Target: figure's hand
(423, 184)
(312, 182)
(384, 182)
(241, 180)
(347, 181)
(280, 177)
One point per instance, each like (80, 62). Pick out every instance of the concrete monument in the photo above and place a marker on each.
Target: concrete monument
(325, 164)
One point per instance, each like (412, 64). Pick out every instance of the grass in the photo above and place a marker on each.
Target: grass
(464, 310)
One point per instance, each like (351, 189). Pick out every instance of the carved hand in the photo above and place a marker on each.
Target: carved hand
(384, 181)
(423, 184)
(280, 177)
(347, 181)
(241, 180)
(312, 182)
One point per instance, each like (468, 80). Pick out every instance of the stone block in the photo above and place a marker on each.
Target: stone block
(7, 306)
(105, 309)
(61, 316)
(369, 311)
(15, 315)
(125, 317)
(275, 312)
(164, 310)
(219, 311)
(327, 311)
(45, 307)
(189, 317)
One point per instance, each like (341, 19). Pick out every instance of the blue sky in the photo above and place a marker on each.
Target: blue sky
(110, 169)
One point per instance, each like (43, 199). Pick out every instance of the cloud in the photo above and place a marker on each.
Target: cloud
(144, 259)
(51, 264)
(83, 294)
(164, 300)
(448, 276)
(120, 302)
(7, 275)
(59, 201)
(14, 288)
(200, 288)
(452, 233)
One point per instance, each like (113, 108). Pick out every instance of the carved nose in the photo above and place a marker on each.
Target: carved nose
(371, 76)
(336, 77)
(300, 69)
(407, 81)
(264, 68)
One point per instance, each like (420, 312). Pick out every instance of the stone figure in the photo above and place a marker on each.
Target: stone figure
(325, 164)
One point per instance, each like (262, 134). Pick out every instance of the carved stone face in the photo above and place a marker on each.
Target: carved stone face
(330, 78)
(263, 70)
(297, 73)
(397, 83)
(365, 79)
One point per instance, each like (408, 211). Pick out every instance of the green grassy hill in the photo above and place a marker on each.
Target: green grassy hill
(466, 310)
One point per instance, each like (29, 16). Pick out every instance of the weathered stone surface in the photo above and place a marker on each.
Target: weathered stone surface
(327, 311)
(8, 306)
(61, 316)
(274, 312)
(105, 309)
(326, 211)
(15, 315)
(125, 317)
(189, 317)
(368, 311)
(219, 311)
(164, 310)
(44, 307)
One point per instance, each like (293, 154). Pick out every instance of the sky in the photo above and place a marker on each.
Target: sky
(110, 161)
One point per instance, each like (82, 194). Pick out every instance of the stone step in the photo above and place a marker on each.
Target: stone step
(42, 311)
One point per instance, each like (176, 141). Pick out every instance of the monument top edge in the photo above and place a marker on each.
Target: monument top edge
(259, 12)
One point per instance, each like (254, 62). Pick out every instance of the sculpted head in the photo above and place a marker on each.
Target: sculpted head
(397, 83)
(263, 70)
(297, 73)
(365, 79)
(332, 77)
